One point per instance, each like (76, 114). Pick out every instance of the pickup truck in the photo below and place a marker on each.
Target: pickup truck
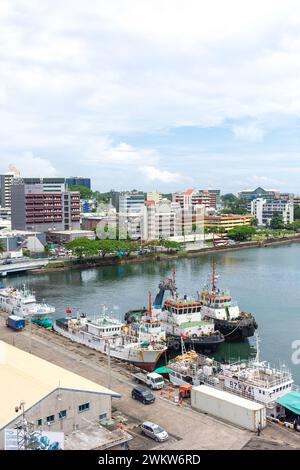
(152, 379)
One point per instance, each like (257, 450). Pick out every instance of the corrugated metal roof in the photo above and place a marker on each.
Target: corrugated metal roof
(27, 377)
(229, 397)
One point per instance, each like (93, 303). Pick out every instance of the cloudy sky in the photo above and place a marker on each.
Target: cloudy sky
(152, 94)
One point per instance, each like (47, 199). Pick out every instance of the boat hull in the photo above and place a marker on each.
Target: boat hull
(146, 359)
(199, 344)
(236, 330)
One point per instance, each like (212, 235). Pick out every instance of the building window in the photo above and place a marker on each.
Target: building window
(62, 414)
(39, 422)
(102, 416)
(84, 407)
(50, 419)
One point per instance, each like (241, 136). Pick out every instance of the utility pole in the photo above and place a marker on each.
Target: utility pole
(30, 332)
(25, 431)
(108, 364)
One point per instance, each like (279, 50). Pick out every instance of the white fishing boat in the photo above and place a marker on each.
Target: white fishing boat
(22, 302)
(252, 379)
(142, 347)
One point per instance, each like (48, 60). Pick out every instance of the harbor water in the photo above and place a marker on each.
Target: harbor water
(264, 281)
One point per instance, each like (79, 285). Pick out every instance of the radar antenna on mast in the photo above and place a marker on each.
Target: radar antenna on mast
(214, 276)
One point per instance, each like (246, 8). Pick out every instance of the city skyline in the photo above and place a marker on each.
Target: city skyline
(161, 95)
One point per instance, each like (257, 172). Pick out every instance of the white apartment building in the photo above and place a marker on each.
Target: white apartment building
(264, 209)
(5, 189)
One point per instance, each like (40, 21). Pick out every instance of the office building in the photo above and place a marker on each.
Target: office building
(78, 181)
(44, 205)
(227, 222)
(264, 209)
(192, 197)
(132, 201)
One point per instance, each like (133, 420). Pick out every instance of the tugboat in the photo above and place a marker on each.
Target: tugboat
(218, 305)
(180, 319)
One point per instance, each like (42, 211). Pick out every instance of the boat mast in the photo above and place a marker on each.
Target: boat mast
(214, 277)
(150, 306)
(257, 348)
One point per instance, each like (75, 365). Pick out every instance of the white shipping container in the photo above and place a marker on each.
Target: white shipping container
(229, 407)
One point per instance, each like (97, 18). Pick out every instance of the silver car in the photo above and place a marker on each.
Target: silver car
(154, 431)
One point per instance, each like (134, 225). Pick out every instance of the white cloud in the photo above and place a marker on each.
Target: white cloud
(250, 132)
(104, 152)
(73, 73)
(29, 165)
(162, 176)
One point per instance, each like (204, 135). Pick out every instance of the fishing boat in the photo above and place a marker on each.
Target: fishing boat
(218, 305)
(22, 302)
(253, 379)
(141, 346)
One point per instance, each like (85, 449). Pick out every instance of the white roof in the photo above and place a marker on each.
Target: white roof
(25, 377)
(228, 397)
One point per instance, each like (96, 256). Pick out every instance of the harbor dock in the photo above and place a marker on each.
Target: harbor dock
(180, 422)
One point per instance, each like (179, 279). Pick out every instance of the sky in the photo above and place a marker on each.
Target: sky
(153, 95)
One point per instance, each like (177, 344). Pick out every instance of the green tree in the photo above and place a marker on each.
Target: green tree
(277, 222)
(83, 247)
(242, 233)
(85, 193)
(170, 245)
(297, 212)
(254, 222)
(1, 247)
(293, 226)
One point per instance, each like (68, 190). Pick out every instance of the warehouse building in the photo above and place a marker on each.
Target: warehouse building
(54, 398)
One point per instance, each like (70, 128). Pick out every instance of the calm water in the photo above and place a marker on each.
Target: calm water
(265, 282)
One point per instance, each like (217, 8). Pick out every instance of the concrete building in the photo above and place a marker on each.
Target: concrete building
(210, 197)
(5, 189)
(168, 220)
(264, 209)
(193, 197)
(154, 196)
(14, 242)
(66, 236)
(158, 220)
(131, 202)
(44, 204)
(227, 222)
(54, 398)
(78, 181)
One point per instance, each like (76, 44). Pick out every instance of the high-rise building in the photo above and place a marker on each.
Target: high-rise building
(44, 205)
(78, 181)
(5, 189)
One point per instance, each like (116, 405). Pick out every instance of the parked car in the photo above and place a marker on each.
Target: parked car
(143, 394)
(154, 431)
